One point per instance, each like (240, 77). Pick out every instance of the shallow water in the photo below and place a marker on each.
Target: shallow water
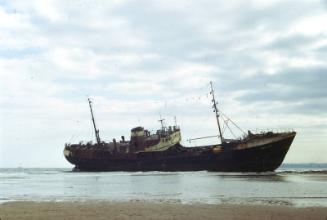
(300, 185)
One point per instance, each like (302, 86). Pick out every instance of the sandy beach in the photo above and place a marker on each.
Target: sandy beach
(146, 210)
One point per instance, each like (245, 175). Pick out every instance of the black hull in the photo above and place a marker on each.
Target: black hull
(261, 158)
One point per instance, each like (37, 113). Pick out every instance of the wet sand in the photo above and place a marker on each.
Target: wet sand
(147, 210)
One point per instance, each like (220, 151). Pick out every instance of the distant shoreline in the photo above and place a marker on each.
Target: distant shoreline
(148, 210)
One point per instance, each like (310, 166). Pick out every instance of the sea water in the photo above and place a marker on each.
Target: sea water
(291, 184)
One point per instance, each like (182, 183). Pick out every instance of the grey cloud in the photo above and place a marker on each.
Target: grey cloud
(321, 51)
(303, 89)
(293, 42)
(310, 108)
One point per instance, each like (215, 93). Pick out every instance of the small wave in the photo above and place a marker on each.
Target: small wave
(302, 172)
(245, 174)
(4, 200)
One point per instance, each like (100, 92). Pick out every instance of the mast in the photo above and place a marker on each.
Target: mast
(162, 124)
(215, 109)
(97, 137)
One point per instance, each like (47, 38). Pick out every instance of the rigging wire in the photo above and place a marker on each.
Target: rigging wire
(80, 131)
(224, 128)
(230, 130)
(197, 99)
(232, 122)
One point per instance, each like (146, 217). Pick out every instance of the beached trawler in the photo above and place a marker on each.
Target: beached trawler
(162, 151)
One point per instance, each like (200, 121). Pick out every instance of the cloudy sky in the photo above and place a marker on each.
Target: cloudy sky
(138, 60)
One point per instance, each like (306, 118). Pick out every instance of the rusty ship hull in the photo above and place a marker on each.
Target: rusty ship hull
(162, 151)
(258, 154)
